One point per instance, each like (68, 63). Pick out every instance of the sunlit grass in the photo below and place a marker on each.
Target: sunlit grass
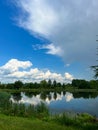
(83, 121)
(19, 123)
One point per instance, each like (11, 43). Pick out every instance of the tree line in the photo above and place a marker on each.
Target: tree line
(76, 83)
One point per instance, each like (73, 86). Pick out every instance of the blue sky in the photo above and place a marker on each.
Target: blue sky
(47, 39)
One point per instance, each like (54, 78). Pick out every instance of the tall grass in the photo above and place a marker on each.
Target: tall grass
(20, 109)
(83, 121)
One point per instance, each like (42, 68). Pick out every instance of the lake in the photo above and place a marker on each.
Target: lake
(59, 102)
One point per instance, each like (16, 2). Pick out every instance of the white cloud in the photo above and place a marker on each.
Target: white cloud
(50, 49)
(38, 10)
(68, 76)
(71, 26)
(22, 70)
(14, 65)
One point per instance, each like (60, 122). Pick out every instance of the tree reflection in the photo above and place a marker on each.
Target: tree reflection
(55, 95)
(16, 96)
(43, 95)
(49, 96)
(30, 94)
(85, 95)
(52, 96)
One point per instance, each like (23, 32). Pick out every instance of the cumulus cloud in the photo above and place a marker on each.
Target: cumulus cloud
(23, 70)
(68, 76)
(13, 65)
(70, 25)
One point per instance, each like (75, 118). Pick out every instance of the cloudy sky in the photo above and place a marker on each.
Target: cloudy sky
(47, 39)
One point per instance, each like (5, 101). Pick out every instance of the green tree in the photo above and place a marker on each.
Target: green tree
(18, 84)
(95, 67)
(54, 83)
(80, 83)
(49, 83)
(43, 83)
(10, 86)
(94, 84)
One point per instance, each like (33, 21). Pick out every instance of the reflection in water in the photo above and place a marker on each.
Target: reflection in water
(42, 97)
(69, 97)
(17, 96)
(61, 102)
(34, 100)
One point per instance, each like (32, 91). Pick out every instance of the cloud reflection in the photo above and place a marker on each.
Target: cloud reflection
(68, 96)
(34, 100)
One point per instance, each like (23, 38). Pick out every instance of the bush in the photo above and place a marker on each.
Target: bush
(83, 121)
(4, 100)
(20, 109)
(65, 119)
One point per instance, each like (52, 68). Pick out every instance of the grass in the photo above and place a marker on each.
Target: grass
(48, 89)
(83, 121)
(20, 123)
(63, 122)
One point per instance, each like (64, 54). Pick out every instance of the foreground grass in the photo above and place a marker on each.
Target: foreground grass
(20, 123)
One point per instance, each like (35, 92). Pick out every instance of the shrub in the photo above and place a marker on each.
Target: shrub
(4, 100)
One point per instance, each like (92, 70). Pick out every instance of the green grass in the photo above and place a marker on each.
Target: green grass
(70, 89)
(83, 121)
(20, 123)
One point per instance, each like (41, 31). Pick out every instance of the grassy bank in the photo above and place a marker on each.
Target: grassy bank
(48, 90)
(20, 123)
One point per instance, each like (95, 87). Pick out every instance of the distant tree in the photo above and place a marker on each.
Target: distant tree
(10, 86)
(75, 83)
(18, 84)
(43, 83)
(80, 83)
(29, 85)
(2, 86)
(36, 85)
(59, 85)
(54, 83)
(49, 83)
(94, 84)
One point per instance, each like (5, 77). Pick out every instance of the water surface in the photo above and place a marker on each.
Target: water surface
(61, 102)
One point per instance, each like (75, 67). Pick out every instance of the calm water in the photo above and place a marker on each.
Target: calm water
(61, 102)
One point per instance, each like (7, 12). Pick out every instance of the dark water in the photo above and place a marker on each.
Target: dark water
(62, 101)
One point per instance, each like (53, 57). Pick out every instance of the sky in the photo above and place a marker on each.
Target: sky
(47, 39)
